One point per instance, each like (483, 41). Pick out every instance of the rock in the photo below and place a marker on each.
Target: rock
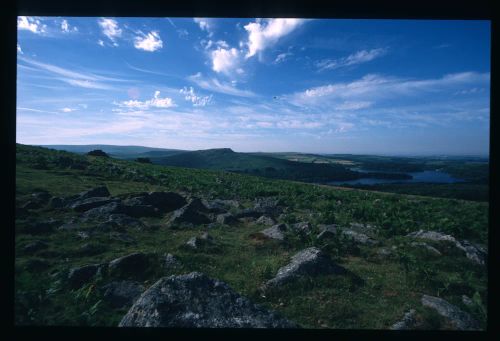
(362, 228)
(302, 227)
(170, 262)
(197, 301)
(267, 205)
(89, 203)
(192, 213)
(81, 275)
(165, 201)
(467, 301)
(122, 237)
(70, 225)
(308, 262)
(125, 221)
(265, 220)
(134, 265)
(139, 211)
(83, 235)
(122, 293)
(275, 232)
(101, 191)
(226, 219)
(35, 246)
(472, 252)
(408, 321)
(248, 213)
(56, 202)
(220, 206)
(41, 227)
(330, 231)
(103, 212)
(429, 248)
(384, 252)
(198, 242)
(458, 318)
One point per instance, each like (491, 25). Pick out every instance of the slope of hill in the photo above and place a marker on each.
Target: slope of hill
(56, 246)
(121, 152)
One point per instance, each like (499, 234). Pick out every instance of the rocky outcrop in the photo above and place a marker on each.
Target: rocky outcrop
(103, 212)
(197, 301)
(81, 275)
(89, 203)
(459, 319)
(191, 214)
(121, 293)
(309, 262)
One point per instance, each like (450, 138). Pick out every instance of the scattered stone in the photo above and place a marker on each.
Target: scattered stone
(81, 275)
(192, 213)
(248, 213)
(302, 227)
(428, 247)
(226, 219)
(330, 231)
(408, 321)
(309, 262)
(82, 234)
(432, 235)
(103, 212)
(35, 246)
(125, 221)
(275, 232)
(362, 228)
(474, 253)
(89, 203)
(268, 205)
(265, 220)
(221, 206)
(197, 242)
(122, 293)
(171, 262)
(197, 301)
(134, 265)
(467, 300)
(458, 318)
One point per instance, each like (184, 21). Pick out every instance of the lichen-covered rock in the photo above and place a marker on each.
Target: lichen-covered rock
(197, 301)
(456, 317)
(309, 262)
(122, 293)
(192, 213)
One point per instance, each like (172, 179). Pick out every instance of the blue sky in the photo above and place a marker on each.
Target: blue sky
(321, 86)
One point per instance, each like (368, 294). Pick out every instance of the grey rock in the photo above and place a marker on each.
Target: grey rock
(35, 246)
(302, 227)
(170, 262)
(265, 220)
(89, 203)
(83, 234)
(139, 211)
(197, 301)
(192, 213)
(428, 247)
(101, 191)
(81, 275)
(70, 225)
(248, 213)
(198, 242)
(163, 201)
(275, 232)
(125, 221)
(458, 318)
(432, 235)
(330, 231)
(226, 219)
(267, 205)
(103, 212)
(134, 265)
(221, 206)
(308, 262)
(467, 300)
(407, 322)
(473, 252)
(120, 294)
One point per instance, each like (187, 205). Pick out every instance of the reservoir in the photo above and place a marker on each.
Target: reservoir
(429, 176)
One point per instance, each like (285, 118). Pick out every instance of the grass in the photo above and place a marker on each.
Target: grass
(392, 285)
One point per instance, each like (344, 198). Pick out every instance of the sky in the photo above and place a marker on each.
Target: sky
(388, 87)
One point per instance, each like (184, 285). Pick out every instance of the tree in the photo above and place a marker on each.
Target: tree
(97, 152)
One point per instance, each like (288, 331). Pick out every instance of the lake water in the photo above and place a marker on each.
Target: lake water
(425, 176)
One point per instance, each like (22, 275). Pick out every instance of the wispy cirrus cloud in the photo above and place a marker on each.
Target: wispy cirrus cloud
(212, 84)
(79, 79)
(155, 102)
(359, 57)
(111, 29)
(198, 101)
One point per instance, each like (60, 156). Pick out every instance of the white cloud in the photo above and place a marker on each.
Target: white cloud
(19, 49)
(205, 25)
(225, 60)
(110, 29)
(260, 36)
(155, 102)
(67, 110)
(100, 42)
(353, 105)
(30, 24)
(216, 86)
(150, 42)
(198, 101)
(66, 28)
(359, 57)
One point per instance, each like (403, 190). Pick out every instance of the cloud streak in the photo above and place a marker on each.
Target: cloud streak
(359, 57)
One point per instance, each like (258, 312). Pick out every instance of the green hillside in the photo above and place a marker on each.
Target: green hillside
(394, 273)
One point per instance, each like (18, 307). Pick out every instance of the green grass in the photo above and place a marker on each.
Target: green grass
(240, 260)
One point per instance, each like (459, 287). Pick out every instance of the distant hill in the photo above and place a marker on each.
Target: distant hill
(120, 152)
